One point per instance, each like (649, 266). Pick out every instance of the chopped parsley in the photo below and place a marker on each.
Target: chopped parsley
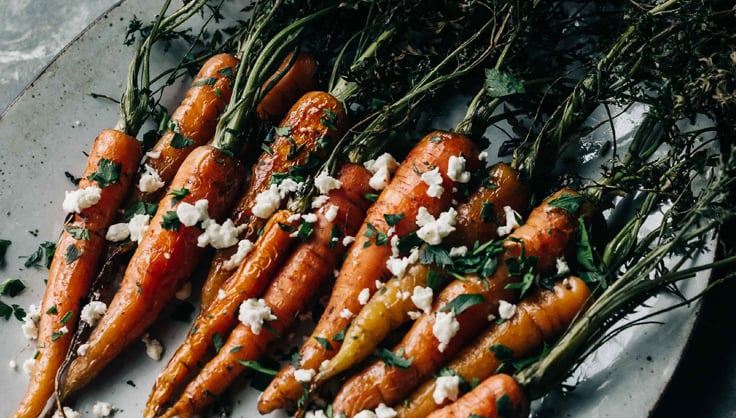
(569, 202)
(11, 287)
(305, 231)
(72, 254)
(394, 360)
(140, 208)
(66, 318)
(171, 221)
(257, 367)
(42, 256)
(488, 213)
(210, 81)
(108, 172)
(324, 342)
(179, 194)
(461, 303)
(78, 233)
(393, 219)
(329, 119)
(217, 342)
(4, 244)
(283, 130)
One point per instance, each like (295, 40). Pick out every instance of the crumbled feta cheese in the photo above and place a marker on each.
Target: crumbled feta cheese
(13, 365)
(316, 414)
(506, 310)
(405, 295)
(324, 364)
(304, 375)
(150, 180)
(310, 218)
(219, 236)
(102, 409)
(267, 202)
(138, 226)
(244, 248)
(379, 284)
(456, 169)
(433, 179)
(562, 267)
(34, 313)
(253, 312)
(445, 327)
(446, 387)
(324, 183)
(221, 294)
(364, 295)
(293, 218)
(82, 350)
(397, 266)
(331, 213)
(491, 317)
(422, 298)
(28, 365)
(287, 186)
(29, 328)
(413, 315)
(394, 242)
(117, 232)
(382, 168)
(335, 273)
(153, 155)
(483, 156)
(384, 411)
(347, 240)
(346, 314)
(184, 291)
(191, 214)
(63, 330)
(432, 230)
(366, 413)
(93, 311)
(153, 347)
(68, 413)
(511, 222)
(81, 199)
(320, 201)
(461, 251)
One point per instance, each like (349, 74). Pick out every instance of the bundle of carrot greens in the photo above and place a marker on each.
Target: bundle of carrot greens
(442, 282)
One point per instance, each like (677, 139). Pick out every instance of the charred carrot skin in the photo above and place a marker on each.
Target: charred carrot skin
(390, 308)
(296, 283)
(366, 261)
(499, 396)
(315, 116)
(539, 318)
(545, 235)
(69, 281)
(298, 78)
(195, 118)
(247, 281)
(165, 257)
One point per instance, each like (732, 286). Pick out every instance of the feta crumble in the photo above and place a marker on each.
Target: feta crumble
(432, 230)
(153, 155)
(81, 199)
(422, 298)
(331, 213)
(253, 312)
(381, 168)
(364, 295)
(397, 266)
(304, 375)
(244, 248)
(68, 413)
(483, 156)
(191, 214)
(138, 226)
(511, 222)
(506, 310)
(117, 232)
(366, 413)
(446, 387)
(319, 201)
(219, 236)
(150, 180)
(28, 365)
(325, 183)
(310, 218)
(13, 365)
(433, 179)
(102, 409)
(461, 251)
(384, 411)
(562, 267)
(153, 347)
(347, 240)
(316, 414)
(267, 202)
(346, 314)
(82, 350)
(445, 327)
(456, 169)
(93, 311)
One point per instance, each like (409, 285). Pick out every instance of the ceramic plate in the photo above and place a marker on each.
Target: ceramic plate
(46, 132)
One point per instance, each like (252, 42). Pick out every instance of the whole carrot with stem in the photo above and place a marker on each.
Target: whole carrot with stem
(294, 77)
(532, 248)
(539, 319)
(296, 283)
(171, 247)
(498, 396)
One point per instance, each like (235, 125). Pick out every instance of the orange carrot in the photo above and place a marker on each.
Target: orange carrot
(499, 396)
(366, 260)
(545, 235)
(476, 222)
(248, 281)
(539, 318)
(316, 116)
(293, 78)
(297, 282)
(192, 123)
(75, 261)
(165, 257)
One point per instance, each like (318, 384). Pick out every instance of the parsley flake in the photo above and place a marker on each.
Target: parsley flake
(11, 287)
(78, 233)
(4, 244)
(461, 303)
(171, 221)
(108, 172)
(72, 253)
(394, 360)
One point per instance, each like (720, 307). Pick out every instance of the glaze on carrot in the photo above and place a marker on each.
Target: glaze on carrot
(310, 265)
(545, 235)
(193, 122)
(70, 275)
(248, 281)
(293, 78)
(539, 318)
(315, 116)
(366, 260)
(165, 257)
(499, 396)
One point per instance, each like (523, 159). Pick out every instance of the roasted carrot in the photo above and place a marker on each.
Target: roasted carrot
(499, 396)
(388, 309)
(75, 261)
(366, 260)
(192, 124)
(296, 283)
(165, 257)
(539, 318)
(315, 117)
(293, 78)
(545, 235)
(248, 281)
